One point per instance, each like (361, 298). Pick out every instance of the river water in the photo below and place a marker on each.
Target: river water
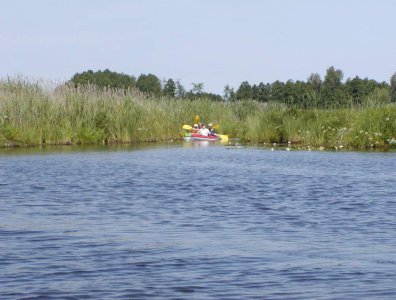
(191, 221)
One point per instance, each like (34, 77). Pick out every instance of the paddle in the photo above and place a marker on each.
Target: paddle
(187, 127)
(196, 119)
(223, 137)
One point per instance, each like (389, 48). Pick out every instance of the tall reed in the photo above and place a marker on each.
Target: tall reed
(32, 115)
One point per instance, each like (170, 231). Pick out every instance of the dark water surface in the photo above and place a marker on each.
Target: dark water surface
(183, 222)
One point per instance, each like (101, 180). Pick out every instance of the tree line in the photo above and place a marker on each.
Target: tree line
(145, 83)
(331, 91)
(315, 92)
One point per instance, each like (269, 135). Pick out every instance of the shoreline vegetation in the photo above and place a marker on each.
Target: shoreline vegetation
(89, 114)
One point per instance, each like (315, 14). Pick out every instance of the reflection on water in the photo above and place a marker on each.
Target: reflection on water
(48, 149)
(196, 221)
(198, 144)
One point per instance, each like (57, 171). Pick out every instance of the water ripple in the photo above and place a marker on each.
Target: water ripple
(197, 223)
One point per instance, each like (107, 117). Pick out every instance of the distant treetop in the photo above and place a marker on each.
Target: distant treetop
(104, 78)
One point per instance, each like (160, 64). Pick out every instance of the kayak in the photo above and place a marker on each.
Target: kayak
(188, 136)
(200, 137)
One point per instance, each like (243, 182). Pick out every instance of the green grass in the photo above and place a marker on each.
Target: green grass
(31, 115)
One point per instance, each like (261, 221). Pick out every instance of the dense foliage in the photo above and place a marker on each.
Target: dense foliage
(315, 92)
(31, 115)
(149, 84)
(104, 78)
(330, 92)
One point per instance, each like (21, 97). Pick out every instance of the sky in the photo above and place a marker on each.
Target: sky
(216, 42)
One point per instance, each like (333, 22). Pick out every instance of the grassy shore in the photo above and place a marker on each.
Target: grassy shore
(31, 115)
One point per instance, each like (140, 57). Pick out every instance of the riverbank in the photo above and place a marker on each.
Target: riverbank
(31, 115)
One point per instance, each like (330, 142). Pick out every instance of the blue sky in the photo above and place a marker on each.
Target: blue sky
(216, 42)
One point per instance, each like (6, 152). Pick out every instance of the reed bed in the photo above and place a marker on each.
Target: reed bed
(32, 115)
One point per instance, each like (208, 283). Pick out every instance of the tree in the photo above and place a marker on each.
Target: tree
(228, 94)
(197, 93)
(104, 78)
(359, 89)
(197, 88)
(255, 92)
(264, 91)
(180, 90)
(244, 91)
(393, 88)
(288, 92)
(332, 88)
(333, 78)
(278, 91)
(315, 82)
(170, 88)
(149, 84)
(211, 96)
(354, 89)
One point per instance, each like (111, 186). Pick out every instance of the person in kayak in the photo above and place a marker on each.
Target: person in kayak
(195, 129)
(212, 132)
(204, 131)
